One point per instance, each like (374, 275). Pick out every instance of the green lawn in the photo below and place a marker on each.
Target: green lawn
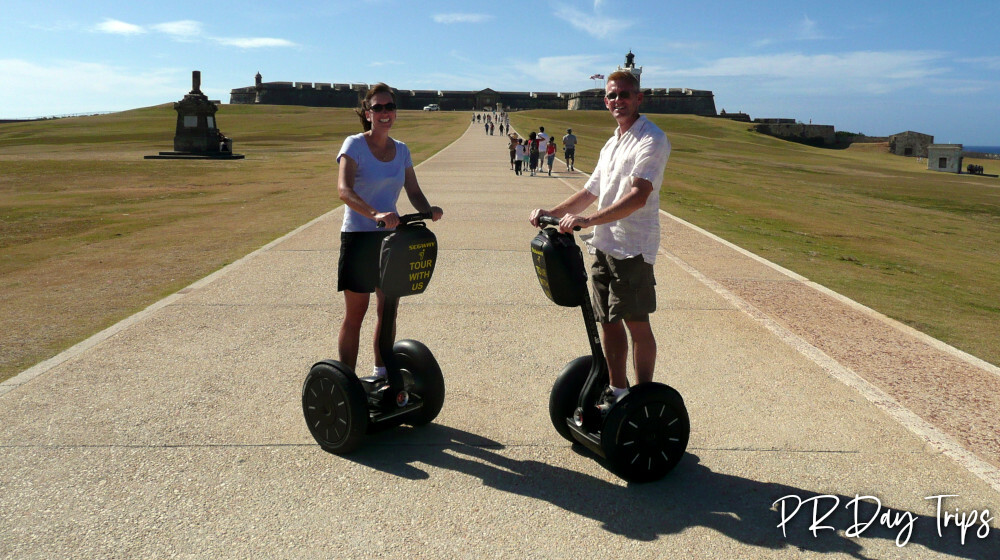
(90, 232)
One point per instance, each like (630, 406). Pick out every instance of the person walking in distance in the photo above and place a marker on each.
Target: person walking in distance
(520, 153)
(569, 149)
(626, 185)
(550, 154)
(533, 152)
(512, 146)
(543, 142)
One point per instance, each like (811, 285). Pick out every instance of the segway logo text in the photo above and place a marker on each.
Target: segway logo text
(417, 265)
(420, 270)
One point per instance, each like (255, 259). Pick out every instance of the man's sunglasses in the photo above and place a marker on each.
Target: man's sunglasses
(615, 95)
(378, 107)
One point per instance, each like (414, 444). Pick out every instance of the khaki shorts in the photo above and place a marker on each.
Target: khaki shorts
(624, 289)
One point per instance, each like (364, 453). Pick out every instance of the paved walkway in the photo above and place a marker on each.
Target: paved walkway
(179, 431)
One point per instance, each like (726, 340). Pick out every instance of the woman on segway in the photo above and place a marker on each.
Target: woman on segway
(374, 168)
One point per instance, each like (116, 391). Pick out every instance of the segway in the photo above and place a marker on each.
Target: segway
(340, 408)
(645, 433)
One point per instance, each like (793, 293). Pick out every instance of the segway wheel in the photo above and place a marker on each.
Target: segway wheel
(423, 379)
(646, 433)
(335, 407)
(565, 393)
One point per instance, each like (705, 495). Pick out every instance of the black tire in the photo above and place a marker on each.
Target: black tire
(565, 395)
(423, 379)
(335, 407)
(646, 433)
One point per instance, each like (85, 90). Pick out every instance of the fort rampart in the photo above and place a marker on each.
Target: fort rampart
(670, 101)
(812, 134)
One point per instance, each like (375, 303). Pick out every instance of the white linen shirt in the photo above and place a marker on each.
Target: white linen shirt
(641, 151)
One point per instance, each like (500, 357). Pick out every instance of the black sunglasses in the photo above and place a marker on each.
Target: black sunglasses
(615, 95)
(378, 107)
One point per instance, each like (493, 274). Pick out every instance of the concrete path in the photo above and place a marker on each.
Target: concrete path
(179, 432)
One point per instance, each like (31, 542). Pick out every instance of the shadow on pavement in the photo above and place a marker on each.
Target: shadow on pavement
(690, 496)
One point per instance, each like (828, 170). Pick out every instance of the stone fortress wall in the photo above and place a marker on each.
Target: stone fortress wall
(677, 101)
(680, 101)
(657, 100)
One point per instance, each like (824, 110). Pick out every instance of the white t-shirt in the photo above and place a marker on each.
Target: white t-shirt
(543, 142)
(642, 152)
(377, 182)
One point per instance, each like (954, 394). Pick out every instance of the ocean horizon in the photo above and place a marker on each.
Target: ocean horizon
(982, 149)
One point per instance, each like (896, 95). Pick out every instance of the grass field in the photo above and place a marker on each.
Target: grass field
(920, 246)
(90, 232)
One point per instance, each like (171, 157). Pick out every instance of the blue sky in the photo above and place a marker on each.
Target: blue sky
(877, 67)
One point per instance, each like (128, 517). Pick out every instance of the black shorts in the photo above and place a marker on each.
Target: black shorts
(624, 289)
(571, 153)
(359, 260)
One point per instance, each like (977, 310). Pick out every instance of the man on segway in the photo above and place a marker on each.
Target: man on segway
(626, 237)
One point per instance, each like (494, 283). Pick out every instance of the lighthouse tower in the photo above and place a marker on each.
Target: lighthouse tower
(630, 67)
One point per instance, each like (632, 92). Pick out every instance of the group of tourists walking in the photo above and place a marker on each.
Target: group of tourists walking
(538, 151)
(491, 121)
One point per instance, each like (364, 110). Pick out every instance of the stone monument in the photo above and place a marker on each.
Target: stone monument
(197, 134)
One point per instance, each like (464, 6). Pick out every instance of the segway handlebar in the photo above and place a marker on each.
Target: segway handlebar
(407, 218)
(552, 221)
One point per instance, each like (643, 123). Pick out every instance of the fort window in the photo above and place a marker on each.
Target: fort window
(943, 162)
(211, 122)
(191, 121)
(908, 152)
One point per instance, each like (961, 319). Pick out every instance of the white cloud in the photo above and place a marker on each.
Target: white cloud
(180, 29)
(96, 87)
(807, 30)
(253, 42)
(117, 27)
(190, 30)
(561, 71)
(593, 24)
(862, 71)
(983, 62)
(460, 56)
(462, 18)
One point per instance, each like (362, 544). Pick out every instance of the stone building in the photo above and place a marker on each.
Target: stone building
(819, 135)
(945, 157)
(909, 143)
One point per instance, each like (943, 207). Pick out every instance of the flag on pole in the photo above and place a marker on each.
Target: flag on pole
(597, 77)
